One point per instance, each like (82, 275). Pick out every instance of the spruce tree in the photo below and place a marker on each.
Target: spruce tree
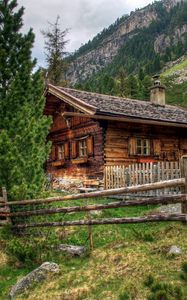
(133, 88)
(146, 85)
(122, 82)
(23, 128)
(54, 45)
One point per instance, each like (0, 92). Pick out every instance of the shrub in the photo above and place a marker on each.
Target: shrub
(149, 281)
(184, 271)
(165, 291)
(125, 296)
(144, 236)
(21, 251)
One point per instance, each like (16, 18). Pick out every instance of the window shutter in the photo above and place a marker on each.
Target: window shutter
(53, 152)
(90, 149)
(73, 149)
(66, 150)
(56, 152)
(157, 147)
(132, 146)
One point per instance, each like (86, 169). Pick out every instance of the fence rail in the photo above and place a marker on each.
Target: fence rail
(142, 173)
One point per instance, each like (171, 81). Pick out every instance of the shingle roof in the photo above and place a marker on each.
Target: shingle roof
(106, 104)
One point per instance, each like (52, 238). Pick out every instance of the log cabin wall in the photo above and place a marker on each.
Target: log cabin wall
(156, 143)
(73, 166)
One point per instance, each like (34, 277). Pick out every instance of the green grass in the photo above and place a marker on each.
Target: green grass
(123, 257)
(177, 67)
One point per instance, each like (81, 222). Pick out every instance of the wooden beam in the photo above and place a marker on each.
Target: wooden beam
(124, 119)
(130, 220)
(150, 201)
(104, 193)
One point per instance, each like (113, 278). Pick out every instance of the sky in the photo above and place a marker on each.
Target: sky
(83, 18)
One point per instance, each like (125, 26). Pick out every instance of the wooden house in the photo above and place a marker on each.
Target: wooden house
(91, 131)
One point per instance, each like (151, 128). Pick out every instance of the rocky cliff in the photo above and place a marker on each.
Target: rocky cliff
(85, 65)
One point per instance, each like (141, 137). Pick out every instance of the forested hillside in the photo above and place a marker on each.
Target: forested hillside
(135, 50)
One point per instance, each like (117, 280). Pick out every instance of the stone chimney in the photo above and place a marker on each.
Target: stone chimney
(157, 93)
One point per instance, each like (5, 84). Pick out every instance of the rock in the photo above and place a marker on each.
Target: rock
(37, 275)
(170, 209)
(72, 250)
(96, 212)
(175, 250)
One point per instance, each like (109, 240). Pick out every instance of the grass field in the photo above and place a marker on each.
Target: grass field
(124, 259)
(177, 67)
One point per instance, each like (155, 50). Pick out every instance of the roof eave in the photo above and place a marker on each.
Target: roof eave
(122, 118)
(69, 99)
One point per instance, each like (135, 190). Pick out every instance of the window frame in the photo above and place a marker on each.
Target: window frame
(140, 146)
(82, 148)
(61, 152)
(143, 146)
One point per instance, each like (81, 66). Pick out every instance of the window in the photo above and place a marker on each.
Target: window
(139, 146)
(83, 148)
(61, 152)
(142, 146)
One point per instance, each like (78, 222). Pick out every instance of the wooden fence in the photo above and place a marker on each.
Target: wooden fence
(31, 208)
(142, 173)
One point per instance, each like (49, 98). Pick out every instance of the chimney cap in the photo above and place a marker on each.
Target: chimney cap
(157, 82)
(156, 77)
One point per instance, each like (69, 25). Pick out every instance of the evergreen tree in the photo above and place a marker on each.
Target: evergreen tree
(122, 83)
(11, 44)
(54, 44)
(146, 84)
(133, 88)
(23, 128)
(141, 74)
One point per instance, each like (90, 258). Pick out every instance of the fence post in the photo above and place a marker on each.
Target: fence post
(184, 174)
(4, 192)
(91, 238)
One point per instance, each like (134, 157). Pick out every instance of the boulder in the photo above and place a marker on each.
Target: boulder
(174, 250)
(36, 276)
(72, 250)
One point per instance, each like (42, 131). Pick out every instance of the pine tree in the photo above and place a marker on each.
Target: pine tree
(141, 74)
(122, 82)
(146, 84)
(54, 45)
(133, 88)
(11, 45)
(23, 128)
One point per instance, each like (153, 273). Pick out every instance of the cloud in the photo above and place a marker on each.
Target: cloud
(84, 18)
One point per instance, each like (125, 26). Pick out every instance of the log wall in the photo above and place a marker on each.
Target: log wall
(167, 143)
(80, 127)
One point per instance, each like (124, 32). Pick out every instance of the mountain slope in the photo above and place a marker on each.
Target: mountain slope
(147, 38)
